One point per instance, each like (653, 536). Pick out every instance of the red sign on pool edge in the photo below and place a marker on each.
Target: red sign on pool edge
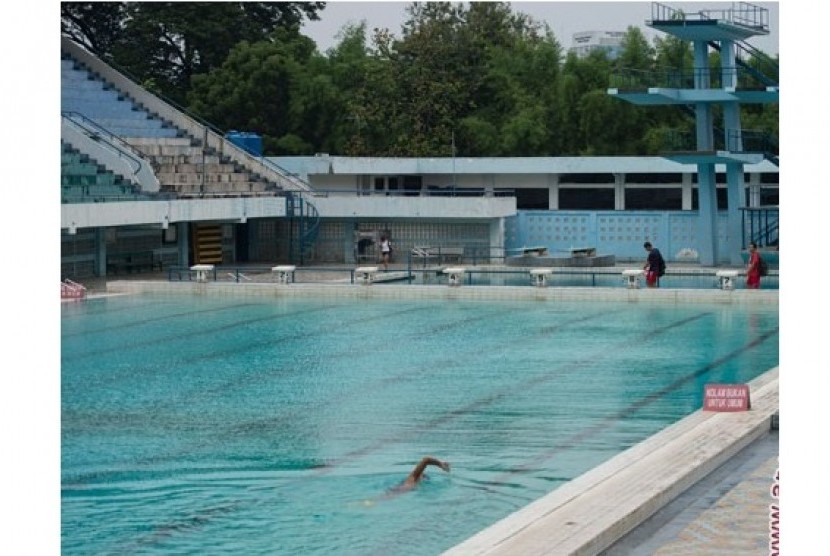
(726, 397)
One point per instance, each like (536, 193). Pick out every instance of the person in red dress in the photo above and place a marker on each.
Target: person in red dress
(753, 269)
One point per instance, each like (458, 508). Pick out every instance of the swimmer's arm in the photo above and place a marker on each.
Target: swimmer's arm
(416, 474)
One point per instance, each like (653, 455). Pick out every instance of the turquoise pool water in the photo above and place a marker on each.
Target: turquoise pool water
(193, 425)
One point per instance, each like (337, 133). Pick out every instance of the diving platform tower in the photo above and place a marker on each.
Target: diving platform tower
(745, 76)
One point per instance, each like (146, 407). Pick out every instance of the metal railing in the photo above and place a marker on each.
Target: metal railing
(732, 140)
(751, 140)
(424, 192)
(762, 67)
(740, 13)
(695, 78)
(111, 140)
(435, 275)
(761, 225)
(565, 277)
(693, 278)
(264, 274)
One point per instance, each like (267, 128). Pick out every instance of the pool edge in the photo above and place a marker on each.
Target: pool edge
(596, 509)
(484, 293)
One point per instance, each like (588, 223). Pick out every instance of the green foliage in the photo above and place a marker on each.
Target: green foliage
(478, 75)
(94, 25)
(170, 42)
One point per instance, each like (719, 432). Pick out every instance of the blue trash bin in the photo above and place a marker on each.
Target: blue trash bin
(247, 140)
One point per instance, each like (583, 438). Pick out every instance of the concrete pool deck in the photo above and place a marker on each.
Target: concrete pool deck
(446, 292)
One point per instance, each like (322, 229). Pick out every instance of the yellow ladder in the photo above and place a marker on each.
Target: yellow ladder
(207, 244)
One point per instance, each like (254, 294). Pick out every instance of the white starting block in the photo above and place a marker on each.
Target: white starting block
(202, 271)
(284, 273)
(539, 276)
(726, 279)
(366, 274)
(455, 275)
(632, 277)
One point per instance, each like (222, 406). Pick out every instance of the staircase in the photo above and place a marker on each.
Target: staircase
(181, 164)
(748, 140)
(83, 180)
(304, 227)
(761, 225)
(184, 167)
(764, 67)
(189, 156)
(207, 244)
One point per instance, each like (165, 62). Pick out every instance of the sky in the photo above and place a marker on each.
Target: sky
(564, 18)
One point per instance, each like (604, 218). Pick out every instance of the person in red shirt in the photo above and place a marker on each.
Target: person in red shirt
(753, 269)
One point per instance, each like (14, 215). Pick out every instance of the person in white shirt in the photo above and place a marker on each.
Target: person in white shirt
(385, 251)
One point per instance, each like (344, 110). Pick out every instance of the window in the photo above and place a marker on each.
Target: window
(653, 198)
(533, 199)
(586, 178)
(412, 185)
(654, 178)
(769, 196)
(589, 198)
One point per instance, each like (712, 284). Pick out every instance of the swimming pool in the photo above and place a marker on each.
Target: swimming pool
(198, 424)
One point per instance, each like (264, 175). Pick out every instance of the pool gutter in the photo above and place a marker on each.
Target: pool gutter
(445, 292)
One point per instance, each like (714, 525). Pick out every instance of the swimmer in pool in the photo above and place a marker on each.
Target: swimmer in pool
(417, 474)
(412, 479)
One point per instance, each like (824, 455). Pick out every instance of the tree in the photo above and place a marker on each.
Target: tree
(169, 42)
(94, 25)
(261, 87)
(636, 53)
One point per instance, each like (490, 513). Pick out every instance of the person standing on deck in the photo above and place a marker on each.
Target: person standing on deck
(753, 269)
(652, 266)
(385, 251)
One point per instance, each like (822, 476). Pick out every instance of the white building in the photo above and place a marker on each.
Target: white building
(585, 42)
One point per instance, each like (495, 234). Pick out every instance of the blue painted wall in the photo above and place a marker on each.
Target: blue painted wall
(611, 232)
